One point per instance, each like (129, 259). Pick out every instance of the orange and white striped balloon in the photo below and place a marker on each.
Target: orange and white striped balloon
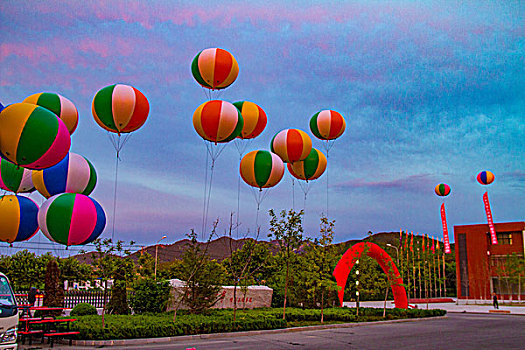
(291, 145)
(214, 68)
(217, 121)
(254, 118)
(327, 125)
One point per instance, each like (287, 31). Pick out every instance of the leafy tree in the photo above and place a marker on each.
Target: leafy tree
(110, 263)
(169, 270)
(515, 265)
(287, 229)
(203, 277)
(146, 265)
(322, 262)
(73, 270)
(25, 269)
(243, 263)
(54, 290)
(150, 296)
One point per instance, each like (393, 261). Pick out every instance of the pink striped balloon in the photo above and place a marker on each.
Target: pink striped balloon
(71, 219)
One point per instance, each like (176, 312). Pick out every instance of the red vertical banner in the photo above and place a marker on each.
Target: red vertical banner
(446, 242)
(493, 237)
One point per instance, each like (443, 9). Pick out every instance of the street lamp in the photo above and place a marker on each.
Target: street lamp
(397, 251)
(156, 253)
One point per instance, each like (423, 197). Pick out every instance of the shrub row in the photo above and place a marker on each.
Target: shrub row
(150, 326)
(218, 321)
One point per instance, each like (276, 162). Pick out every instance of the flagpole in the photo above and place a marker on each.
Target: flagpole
(419, 272)
(444, 278)
(408, 275)
(439, 275)
(435, 279)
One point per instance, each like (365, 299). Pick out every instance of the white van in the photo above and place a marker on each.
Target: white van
(8, 315)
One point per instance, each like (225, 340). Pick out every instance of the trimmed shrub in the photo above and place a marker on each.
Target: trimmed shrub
(150, 296)
(219, 321)
(83, 309)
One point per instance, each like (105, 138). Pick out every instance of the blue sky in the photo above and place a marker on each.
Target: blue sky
(432, 91)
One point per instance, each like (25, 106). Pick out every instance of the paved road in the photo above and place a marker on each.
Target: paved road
(457, 331)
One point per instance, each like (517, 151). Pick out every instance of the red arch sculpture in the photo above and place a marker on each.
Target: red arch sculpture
(344, 266)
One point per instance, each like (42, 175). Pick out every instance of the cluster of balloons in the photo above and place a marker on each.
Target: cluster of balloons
(35, 141)
(220, 121)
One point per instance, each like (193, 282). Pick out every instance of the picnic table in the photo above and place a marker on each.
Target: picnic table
(47, 326)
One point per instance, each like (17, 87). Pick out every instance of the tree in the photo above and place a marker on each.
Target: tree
(25, 269)
(146, 265)
(323, 262)
(287, 229)
(203, 277)
(53, 291)
(110, 264)
(243, 263)
(73, 270)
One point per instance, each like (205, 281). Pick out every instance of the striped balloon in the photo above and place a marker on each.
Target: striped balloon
(61, 106)
(32, 136)
(327, 125)
(310, 168)
(261, 169)
(18, 218)
(291, 145)
(254, 119)
(14, 178)
(485, 177)
(71, 219)
(120, 108)
(217, 121)
(74, 174)
(214, 68)
(442, 190)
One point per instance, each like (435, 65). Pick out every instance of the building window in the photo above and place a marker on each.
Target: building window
(504, 237)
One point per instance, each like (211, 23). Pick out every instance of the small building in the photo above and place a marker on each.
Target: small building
(480, 266)
(249, 298)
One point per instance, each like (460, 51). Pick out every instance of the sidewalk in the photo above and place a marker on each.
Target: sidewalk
(450, 307)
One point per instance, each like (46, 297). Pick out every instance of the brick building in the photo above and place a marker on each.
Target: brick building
(480, 266)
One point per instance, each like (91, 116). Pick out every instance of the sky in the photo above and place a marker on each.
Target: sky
(432, 92)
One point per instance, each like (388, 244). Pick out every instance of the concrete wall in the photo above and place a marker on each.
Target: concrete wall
(252, 297)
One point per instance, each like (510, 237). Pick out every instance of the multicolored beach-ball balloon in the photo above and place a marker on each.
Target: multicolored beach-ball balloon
(74, 174)
(292, 145)
(311, 168)
(120, 108)
(442, 190)
(71, 219)
(18, 218)
(261, 169)
(485, 177)
(327, 125)
(214, 68)
(14, 178)
(254, 118)
(217, 121)
(32, 136)
(58, 104)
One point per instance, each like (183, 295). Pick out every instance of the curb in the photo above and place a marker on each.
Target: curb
(124, 342)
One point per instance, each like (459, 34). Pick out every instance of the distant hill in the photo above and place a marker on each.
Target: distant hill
(219, 249)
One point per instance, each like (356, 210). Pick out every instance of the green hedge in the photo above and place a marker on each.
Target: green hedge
(219, 321)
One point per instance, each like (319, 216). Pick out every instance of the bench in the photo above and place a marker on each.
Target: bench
(51, 336)
(30, 334)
